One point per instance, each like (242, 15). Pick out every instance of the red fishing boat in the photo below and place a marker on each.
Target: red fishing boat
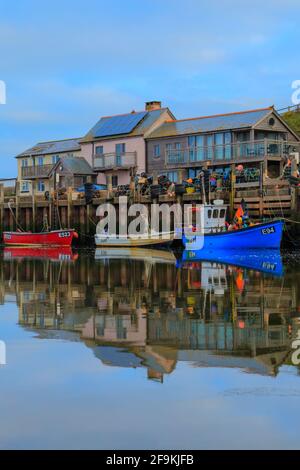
(53, 238)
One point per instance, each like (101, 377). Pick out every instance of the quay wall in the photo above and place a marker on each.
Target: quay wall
(274, 199)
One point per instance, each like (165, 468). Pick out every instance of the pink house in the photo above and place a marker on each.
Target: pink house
(116, 146)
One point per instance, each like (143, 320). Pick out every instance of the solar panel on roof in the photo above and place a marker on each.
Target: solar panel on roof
(115, 125)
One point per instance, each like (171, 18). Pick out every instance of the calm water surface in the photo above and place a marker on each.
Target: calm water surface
(109, 351)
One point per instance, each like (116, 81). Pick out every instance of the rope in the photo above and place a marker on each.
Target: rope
(292, 221)
(14, 217)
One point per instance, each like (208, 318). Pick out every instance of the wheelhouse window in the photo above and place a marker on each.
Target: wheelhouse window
(40, 161)
(24, 162)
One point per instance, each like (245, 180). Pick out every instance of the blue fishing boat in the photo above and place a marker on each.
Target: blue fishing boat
(267, 261)
(214, 235)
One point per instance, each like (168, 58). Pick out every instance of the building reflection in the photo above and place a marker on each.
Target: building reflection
(150, 312)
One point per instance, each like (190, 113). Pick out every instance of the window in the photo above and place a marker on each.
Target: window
(40, 161)
(200, 155)
(178, 151)
(99, 150)
(156, 150)
(191, 141)
(120, 149)
(215, 213)
(25, 187)
(41, 186)
(271, 121)
(209, 213)
(114, 181)
(227, 141)
(222, 213)
(172, 175)
(193, 172)
(170, 154)
(24, 162)
(209, 143)
(191, 146)
(219, 146)
(55, 159)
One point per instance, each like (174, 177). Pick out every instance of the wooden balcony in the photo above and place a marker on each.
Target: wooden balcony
(114, 161)
(39, 171)
(230, 153)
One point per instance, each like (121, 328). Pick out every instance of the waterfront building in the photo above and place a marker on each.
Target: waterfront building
(49, 165)
(115, 146)
(256, 138)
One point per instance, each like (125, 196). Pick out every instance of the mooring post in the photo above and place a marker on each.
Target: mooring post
(294, 200)
(109, 185)
(262, 170)
(17, 204)
(232, 190)
(27, 218)
(69, 215)
(88, 216)
(33, 206)
(2, 207)
(82, 213)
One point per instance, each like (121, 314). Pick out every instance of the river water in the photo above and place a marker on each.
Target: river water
(145, 350)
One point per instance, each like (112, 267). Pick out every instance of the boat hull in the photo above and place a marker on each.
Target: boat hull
(261, 236)
(132, 242)
(53, 238)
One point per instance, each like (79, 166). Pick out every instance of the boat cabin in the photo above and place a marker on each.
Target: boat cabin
(215, 217)
(212, 217)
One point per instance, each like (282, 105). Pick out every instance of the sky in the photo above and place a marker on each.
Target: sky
(66, 63)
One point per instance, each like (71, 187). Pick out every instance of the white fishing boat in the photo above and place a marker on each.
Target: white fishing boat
(131, 241)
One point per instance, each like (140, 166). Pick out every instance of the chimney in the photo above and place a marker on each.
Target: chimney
(152, 105)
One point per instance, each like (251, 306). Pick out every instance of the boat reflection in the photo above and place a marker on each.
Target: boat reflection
(153, 312)
(63, 253)
(268, 261)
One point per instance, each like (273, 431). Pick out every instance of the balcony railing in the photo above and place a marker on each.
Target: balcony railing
(39, 171)
(109, 161)
(241, 151)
